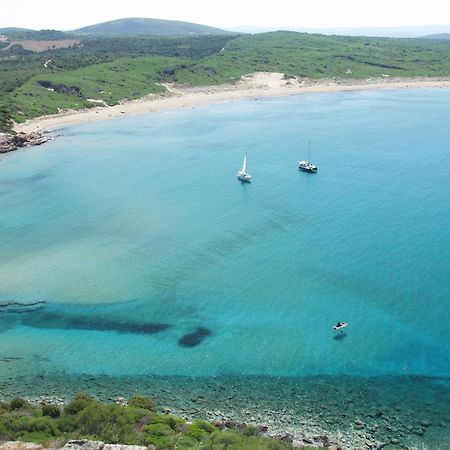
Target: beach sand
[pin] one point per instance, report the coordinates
(260, 84)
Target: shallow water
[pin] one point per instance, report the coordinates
(129, 249)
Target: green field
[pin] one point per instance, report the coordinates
(117, 68)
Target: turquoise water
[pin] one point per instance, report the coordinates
(128, 247)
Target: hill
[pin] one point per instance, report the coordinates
(440, 36)
(13, 30)
(22, 34)
(109, 69)
(319, 56)
(142, 26)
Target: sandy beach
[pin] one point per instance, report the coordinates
(260, 84)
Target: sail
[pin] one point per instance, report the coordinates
(244, 165)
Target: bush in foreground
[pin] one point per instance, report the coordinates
(142, 402)
(138, 423)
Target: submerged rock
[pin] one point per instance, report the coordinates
(195, 338)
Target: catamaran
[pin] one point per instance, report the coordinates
(242, 174)
(307, 166)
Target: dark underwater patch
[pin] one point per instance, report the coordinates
(54, 320)
(8, 359)
(195, 338)
(20, 307)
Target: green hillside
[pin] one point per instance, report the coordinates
(124, 78)
(445, 36)
(112, 69)
(319, 56)
(135, 26)
(18, 34)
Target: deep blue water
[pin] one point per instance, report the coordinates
(135, 233)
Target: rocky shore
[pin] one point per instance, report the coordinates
(80, 444)
(332, 412)
(11, 142)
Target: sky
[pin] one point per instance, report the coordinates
(63, 15)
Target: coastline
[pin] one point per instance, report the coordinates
(260, 84)
(352, 411)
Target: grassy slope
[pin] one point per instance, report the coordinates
(320, 56)
(295, 54)
(128, 78)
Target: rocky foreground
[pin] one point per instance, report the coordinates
(74, 445)
(11, 142)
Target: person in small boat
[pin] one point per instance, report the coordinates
(339, 325)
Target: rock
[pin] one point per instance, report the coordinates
(84, 445)
(11, 142)
(121, 401)
(285, 437)
(18, 445)
(123, 447)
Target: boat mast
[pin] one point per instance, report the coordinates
(244, 165)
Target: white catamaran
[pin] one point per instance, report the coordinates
(307, 166)
(242, 174)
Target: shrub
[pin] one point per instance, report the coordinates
(17, 403)
(250, 430)
(43, 424)
(110, 423)
(3, 407)
(176, 423)
(67, 423)
(199, 429)
(160, 435)
(142, 402)
(80, 402)
(51, 410)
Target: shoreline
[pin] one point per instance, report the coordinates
(353, 411)
(257, 85)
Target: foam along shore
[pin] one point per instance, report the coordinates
(259, 84)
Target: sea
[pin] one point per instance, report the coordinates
(132, 260)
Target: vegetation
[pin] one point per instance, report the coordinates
(42, 35)
(134, 26)
(137, 423)
(110, 69)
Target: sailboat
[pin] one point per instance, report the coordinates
(242, 174)
(307, 166)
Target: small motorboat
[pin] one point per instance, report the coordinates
(340, 326)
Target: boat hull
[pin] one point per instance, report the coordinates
(244, 177)
(306, 166)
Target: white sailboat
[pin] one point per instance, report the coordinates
(307, 166)
(242, 174)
